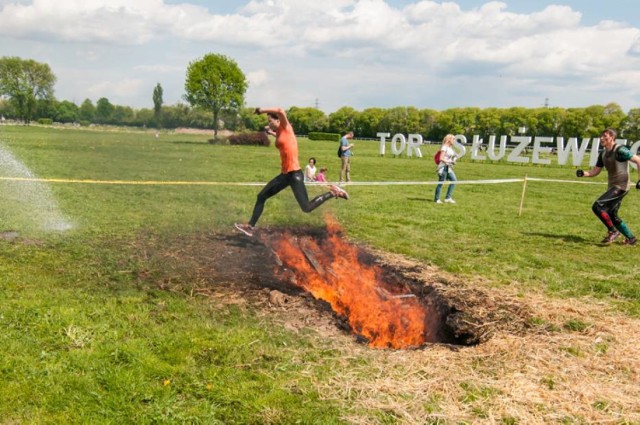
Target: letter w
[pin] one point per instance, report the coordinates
(577, 154)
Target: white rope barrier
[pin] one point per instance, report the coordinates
(356, 183)
(564, 181)
(493, 181)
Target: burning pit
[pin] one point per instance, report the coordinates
(382, 305)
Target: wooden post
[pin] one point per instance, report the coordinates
(524, 189)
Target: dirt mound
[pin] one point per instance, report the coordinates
(245, 270)
(205, 132)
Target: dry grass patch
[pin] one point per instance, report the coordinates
(541, 360)
(539, 377)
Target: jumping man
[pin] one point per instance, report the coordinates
(291, 173)
(615, 159)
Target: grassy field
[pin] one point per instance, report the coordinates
(86, 340)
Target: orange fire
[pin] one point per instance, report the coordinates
(329, 268)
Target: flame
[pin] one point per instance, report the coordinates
(329, 268)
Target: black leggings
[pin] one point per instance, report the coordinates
(295, 179)
(606, 207)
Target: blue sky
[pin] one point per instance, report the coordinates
(334, 53)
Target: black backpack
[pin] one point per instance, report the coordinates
(340, 151)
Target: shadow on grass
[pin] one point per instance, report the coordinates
(420, 199)
(242, 241)
(566, 238)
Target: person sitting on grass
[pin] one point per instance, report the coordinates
(290, 172)
(310, 171)
(322, 175)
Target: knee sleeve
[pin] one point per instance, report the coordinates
(603, 215)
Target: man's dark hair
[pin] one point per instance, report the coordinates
(611, 132)
(273, 116)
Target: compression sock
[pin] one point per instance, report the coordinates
(604, 217)
(624, 229)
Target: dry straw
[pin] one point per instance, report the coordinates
(542, 360)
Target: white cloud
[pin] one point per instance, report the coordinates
(92, 55)
(158, 69)
(634, 49)
(335, 46)
(258, 78)
(114, 90)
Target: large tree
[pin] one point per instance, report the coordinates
(343, 120)
(631, 125)
(66, 112)
(157, 104)
(104, 110)
(368, 122)
(306, 120)
(217, 84)
(24, 82)
(401, 120)
(87, 111)
(122, 115)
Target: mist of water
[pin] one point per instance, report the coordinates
(28, 204)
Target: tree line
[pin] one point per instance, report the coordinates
(215, 88)
(434, 125)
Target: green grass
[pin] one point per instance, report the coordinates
(85, 342)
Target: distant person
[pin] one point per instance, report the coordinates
(310, 171)
(346, 146)
(615, 158)
(290, 172)
(444, 170)
(322, 175)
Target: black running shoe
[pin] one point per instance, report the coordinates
(630, 241)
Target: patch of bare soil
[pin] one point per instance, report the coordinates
(12, 236)
(204, 132)
(528, 358)
(9, 235)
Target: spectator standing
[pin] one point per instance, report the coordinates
(445, 169)
(346, 146)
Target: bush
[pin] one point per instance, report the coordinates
(84, 123)
(316, 135)
(256, 138)
(45, 121)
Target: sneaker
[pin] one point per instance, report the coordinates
(450, 201)
(611, 236)
(338, 192)
(630, 241)
(247, 229)
(438, 201)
